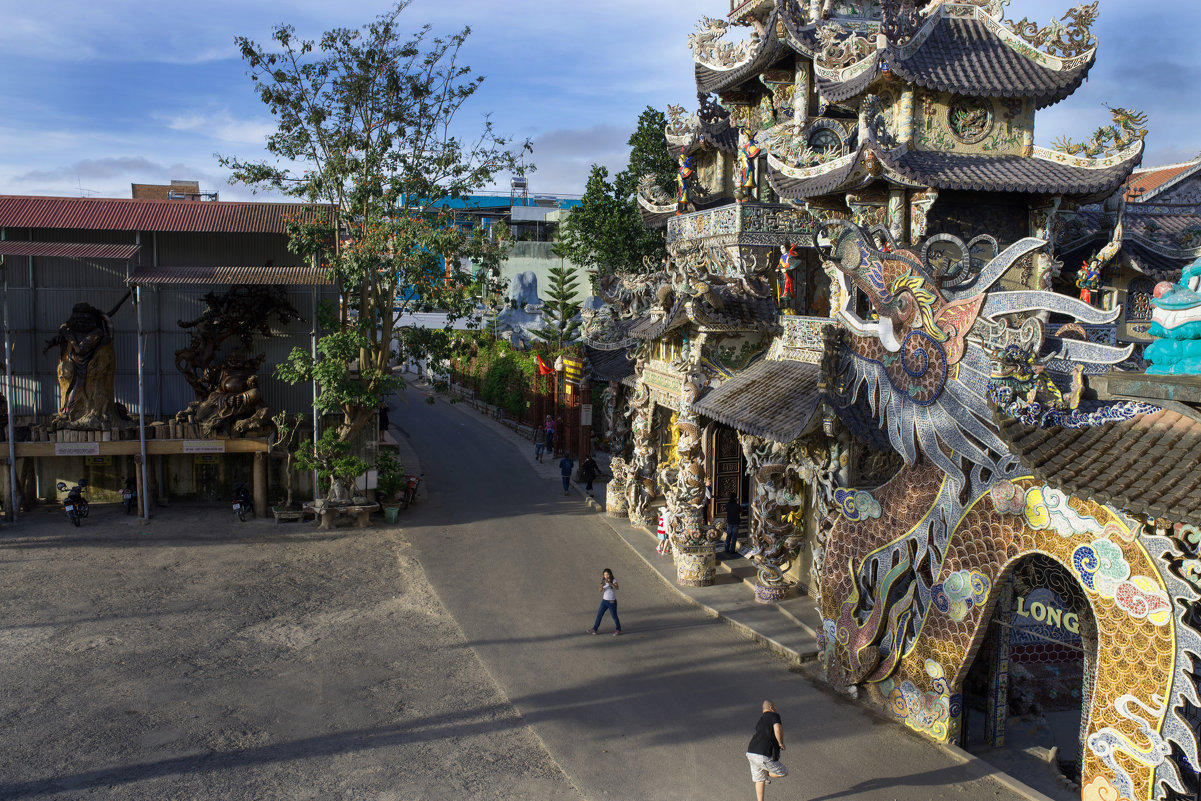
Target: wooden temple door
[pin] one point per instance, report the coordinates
(728, 471)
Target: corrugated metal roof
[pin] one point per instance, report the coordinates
(209, 276)
(67, 250)
(117, 214)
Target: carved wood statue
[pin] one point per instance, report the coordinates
(228, 401)
(86, 375)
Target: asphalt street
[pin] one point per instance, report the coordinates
(662, 712)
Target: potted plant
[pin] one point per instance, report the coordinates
(389, 481)
(287, 430)
(336, 468)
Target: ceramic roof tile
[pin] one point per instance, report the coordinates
(1026, 174)
(964, 57)
(1145, 465)
(772, 399)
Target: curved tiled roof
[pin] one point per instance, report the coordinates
(711, 80)
(836, 92)
(1028, 174)
(964, 57)
(1146, 465)
(789, 188)
(772, 399)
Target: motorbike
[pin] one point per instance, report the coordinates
(241, 501)
(129, 496)
(411, 489)
(75, 505)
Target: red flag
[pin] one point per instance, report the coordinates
(542, 368)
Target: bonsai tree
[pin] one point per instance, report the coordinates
(332, 461)
(390, 478)
(287, 431)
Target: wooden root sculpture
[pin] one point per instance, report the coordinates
(86, 371)
(228, 401)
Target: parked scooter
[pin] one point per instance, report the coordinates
(129, 496)
(75, 505)
(241, 501)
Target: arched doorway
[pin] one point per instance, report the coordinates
(1026, 696)
(727, 470)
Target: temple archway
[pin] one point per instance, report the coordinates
(1027, 693)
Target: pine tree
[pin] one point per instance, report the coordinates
(560, 312)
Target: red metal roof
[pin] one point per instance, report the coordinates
(218, 276)
(67, 250)
(1144, 182)
(118, 214)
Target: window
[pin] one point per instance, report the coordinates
(1139, 292)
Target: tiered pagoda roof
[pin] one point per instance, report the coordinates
(962, 49)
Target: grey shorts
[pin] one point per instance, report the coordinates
(761, 766)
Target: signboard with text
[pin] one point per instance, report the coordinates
(77, 449)
(573, 369)
(204, 446)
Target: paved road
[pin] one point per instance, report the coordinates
(662, 712)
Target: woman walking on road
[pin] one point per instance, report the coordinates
(764, 750)
(608, 589)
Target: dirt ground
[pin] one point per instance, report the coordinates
(198, 658)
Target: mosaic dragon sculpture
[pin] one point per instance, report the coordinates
(908, 574)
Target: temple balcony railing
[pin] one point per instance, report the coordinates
(751, 225)
(801, 338)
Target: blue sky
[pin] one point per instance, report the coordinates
(99, 95)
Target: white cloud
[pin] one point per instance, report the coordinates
(219, 125)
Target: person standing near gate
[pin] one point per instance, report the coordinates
(565, 467)
(764, 750)
(549, 435)
(733, 521)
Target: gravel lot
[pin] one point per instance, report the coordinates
(199, 658)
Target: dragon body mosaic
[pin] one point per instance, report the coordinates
(908, 576)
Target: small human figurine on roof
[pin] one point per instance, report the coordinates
(684, 174)
(787, 290)
(1088, 280)
(748, 151)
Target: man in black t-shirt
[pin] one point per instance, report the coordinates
(764, 750)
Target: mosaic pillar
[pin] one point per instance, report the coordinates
(617, 427)
(775, 535)
(904, 117)
(692, 538)
(616, 500)
(642, 466)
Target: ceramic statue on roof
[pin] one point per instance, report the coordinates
(1176, 322)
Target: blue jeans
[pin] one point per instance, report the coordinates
(731, 537)
(567, 482)
(600, 614)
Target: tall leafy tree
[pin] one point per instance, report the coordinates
(366, 126)
(605, 232)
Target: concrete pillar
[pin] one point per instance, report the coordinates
(143, 496)
(260, 484)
